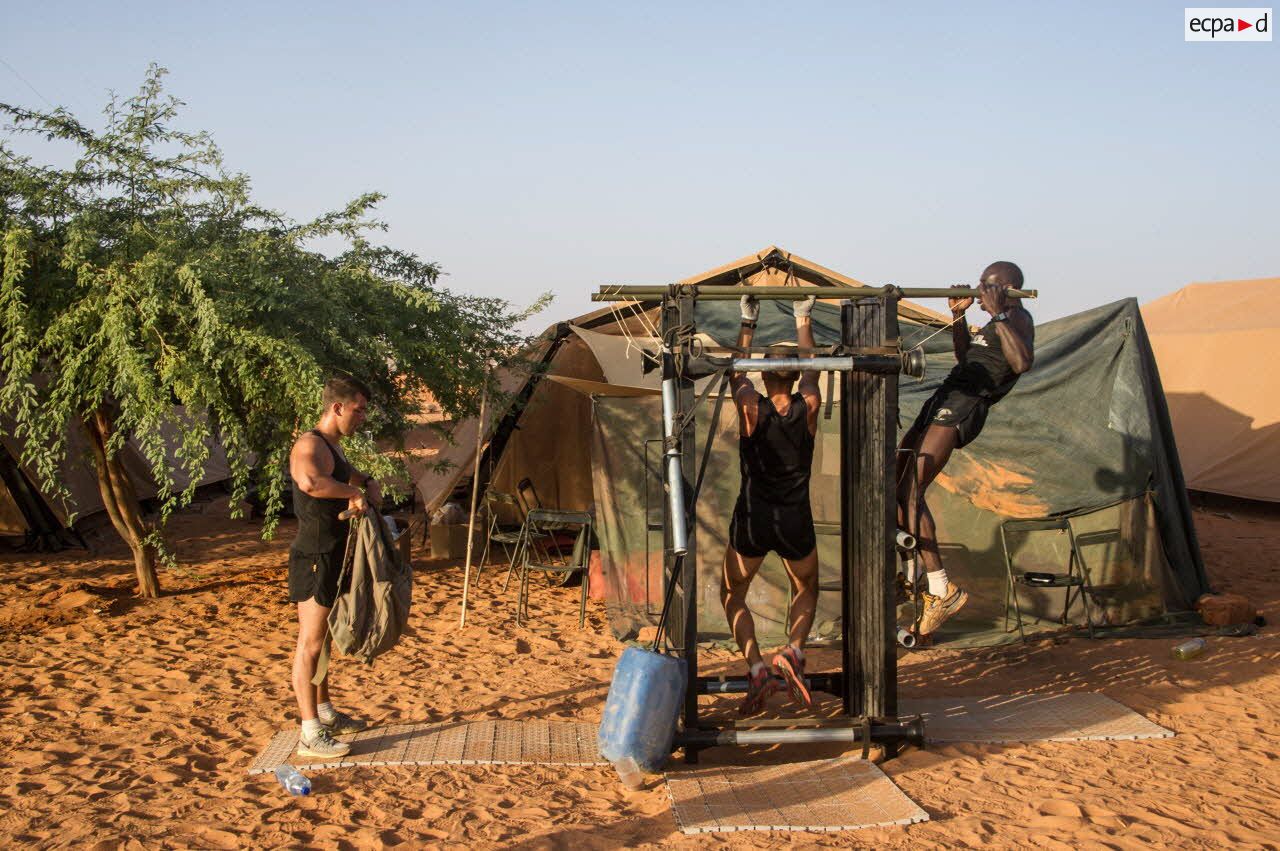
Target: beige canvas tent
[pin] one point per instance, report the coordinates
(1216, 346)
(21, 514)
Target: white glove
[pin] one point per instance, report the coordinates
(750, 308)
(805, 307)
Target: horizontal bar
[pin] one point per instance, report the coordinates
(903, 730)
(848, 363)
(718, 685)
(624, 292)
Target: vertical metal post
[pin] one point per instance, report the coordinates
(689, 575)
(869, 432)
(669, 319)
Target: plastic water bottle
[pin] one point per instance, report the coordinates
(629, 773)
(293, 780)
(1189, 649)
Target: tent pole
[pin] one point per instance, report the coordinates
(471, 521)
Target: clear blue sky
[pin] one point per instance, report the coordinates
(558, 146)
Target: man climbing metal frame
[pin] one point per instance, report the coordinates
(989, 364)
(775, 445)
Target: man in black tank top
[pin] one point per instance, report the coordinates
(988, 366)
(324, 485)
(775, 446)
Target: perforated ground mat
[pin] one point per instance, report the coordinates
(824, 795)
(458, 743)
(1030, 718)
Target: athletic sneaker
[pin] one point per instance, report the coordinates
(342, 723)
(938, 609)
(788, 665)
(323, 746)
(760, 687)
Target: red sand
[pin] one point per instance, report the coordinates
(131, 723)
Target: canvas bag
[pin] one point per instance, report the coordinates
(369, 617)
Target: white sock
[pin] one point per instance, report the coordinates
(757, 668)
(937, 582)
(310, 728)
(325, 711)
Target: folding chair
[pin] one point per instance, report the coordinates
(506, 536)
(542, 523)
(1075, 579)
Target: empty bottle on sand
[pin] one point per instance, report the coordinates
(293, 780)
(1189, 649)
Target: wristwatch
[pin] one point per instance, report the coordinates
(1002, 316)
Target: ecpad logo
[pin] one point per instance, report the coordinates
(1226, 24)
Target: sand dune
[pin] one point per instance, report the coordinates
(131, 724)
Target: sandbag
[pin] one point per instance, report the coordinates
(1225, 609)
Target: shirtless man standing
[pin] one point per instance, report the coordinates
(324, 485)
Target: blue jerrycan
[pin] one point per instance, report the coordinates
(640, 713)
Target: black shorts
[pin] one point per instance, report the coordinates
(787, 530)
(962, 409)
(316, 576)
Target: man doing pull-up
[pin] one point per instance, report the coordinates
(989, 364)
(775, 446)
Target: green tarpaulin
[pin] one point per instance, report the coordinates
(1084, 434)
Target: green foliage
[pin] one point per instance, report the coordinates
(143, 278)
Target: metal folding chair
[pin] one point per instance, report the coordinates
(1076, 579)
(509, 538)
(542, 523)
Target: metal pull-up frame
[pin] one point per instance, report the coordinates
(869, 359)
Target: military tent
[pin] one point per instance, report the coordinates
(1214, 344)
(27, 511)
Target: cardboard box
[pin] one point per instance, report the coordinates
(451, 541)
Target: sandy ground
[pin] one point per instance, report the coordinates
(130, 723)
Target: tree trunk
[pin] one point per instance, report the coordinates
(121, 501)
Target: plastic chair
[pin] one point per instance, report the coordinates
(545, 523)
(1075, 579)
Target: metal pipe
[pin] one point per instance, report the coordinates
(861, 363)
(909, 730)
(905, 540)
(625, 292)
(707, 685)
(675, 480)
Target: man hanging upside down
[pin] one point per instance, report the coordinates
(989, 364)
(775, 446)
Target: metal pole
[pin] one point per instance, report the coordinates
(687, 399)
(722, 293)
(732, 685)
(889, 733)
(471, 520)
(671, 455)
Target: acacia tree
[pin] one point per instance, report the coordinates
(141, 290)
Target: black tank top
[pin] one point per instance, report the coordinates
(985, 370)
(776, 457)
(319, 529)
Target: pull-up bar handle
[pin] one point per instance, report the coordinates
(623, 292)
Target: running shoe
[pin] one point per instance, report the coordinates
(790, 666)
(323, 746)
(938, 609)
(760, 687)
(342, 723)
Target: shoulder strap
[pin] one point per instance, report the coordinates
(336, 457)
